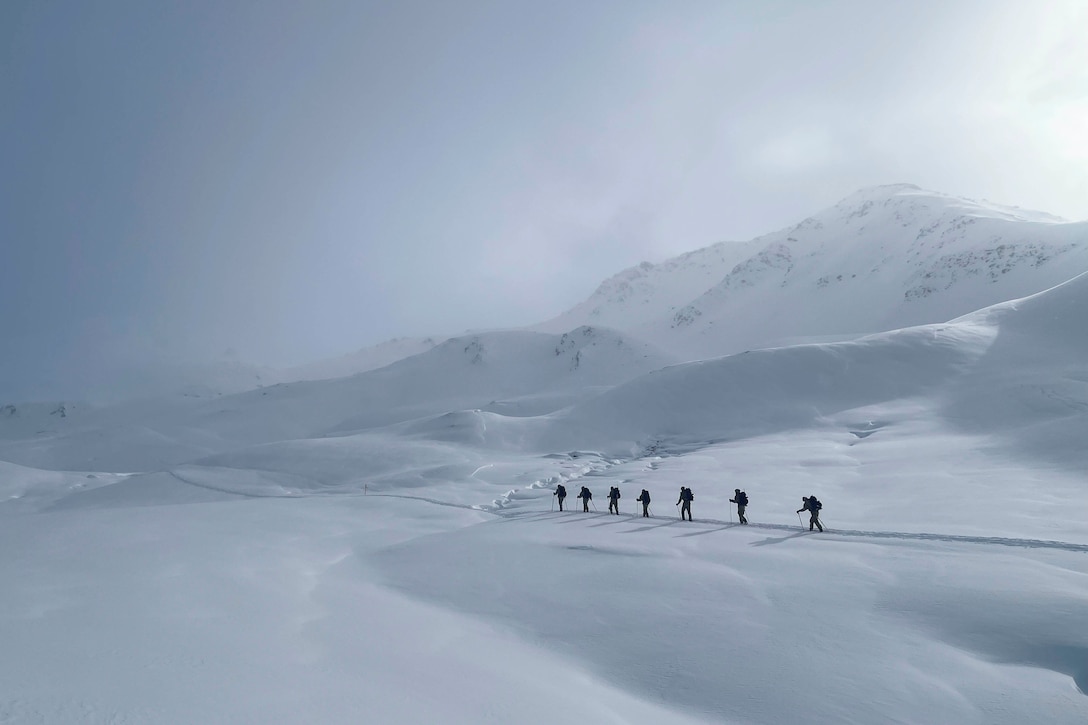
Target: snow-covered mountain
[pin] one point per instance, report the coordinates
(384, 547)
(1018, 369)
(631, 298)
(516, 372)
(948, 587)
(883, 258)
(360, 361)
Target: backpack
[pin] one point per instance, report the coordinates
(742, 498)
(560, 491)
(814, 504)
(614, 493)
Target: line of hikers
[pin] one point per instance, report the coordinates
(740, 498)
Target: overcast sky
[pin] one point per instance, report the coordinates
(294, 180)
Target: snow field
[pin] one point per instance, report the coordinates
(259, 611)
(304, 554)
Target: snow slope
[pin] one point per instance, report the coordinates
(627, 299)
(360, 361)
(384, 547)
(516, 372)
(884, 258)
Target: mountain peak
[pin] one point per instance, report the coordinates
(902, 197)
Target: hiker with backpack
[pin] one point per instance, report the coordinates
(614, 500)
(560, 493)
(813, 506)
(585, 495)
(740, 498)
(685, 497)
(644, 497)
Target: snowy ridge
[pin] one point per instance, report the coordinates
(626, 299)
(882, 259)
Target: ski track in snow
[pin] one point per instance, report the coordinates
(497, 508)
(709, 526)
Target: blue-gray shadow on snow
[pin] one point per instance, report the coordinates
(621, 519)
(704, 532)
(606, 551)
(956, 539)
(652, 526)
(768, 541)
(579, 516)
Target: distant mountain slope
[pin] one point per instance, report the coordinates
(493, 370)
(884, 258)
(1017, 371)
(360, 361)
(628, 299)
(1010, 382)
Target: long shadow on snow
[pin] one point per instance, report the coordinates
(622, 519)
(855, 533)
(651, 527)
(707, 531)
(768, 541)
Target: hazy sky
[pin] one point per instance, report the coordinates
(295, 180)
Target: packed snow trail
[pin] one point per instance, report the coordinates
(947, 538)
(721, 525)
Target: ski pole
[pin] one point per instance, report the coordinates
(800, 521)
(594, 505)
(650, 509)
(678, 511)
(730, 515)
(553, 502)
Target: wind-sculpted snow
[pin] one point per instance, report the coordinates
(1031, 386)
(1018, 368)
(772, 390)
(32, 489)
(735, 625)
